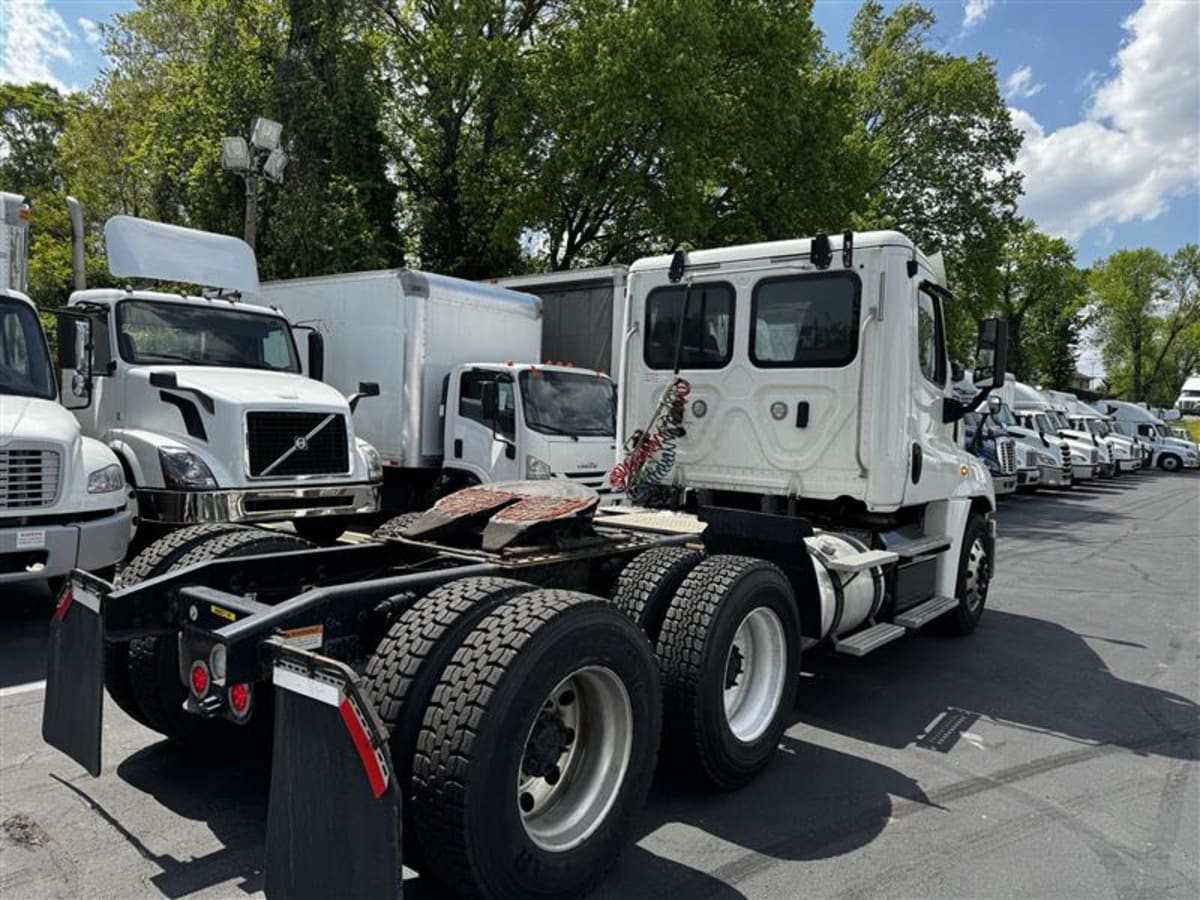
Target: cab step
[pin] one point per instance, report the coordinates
(859, 562)
(863, 642)
(930, 543)
(926, 612)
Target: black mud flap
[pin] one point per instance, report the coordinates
(333, 820)
(72, 715)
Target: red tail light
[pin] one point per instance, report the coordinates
(199, 677)
(239, 700)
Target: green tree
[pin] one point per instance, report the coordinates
(943, 147)
(1041, 297)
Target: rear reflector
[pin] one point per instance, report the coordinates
(199, 678)
(65, 599)
(239, 700)
(376, 774)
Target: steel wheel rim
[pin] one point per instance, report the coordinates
(588, 718)
(977, 576)
(755, 671)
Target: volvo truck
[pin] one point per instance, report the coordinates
(484, 690)
(202, 397)
(431, 343)
(64, 503)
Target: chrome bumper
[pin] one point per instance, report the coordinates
(1129, 465)
(257, 505)
(1029, 477)
(1083, 471)
(1004, 484)
(1055, 476)
(32, 552)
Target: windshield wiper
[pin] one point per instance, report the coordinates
(169, 357)
(552, 429)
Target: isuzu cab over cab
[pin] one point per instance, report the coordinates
(202, 397)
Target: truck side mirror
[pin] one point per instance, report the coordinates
(75, 349)
(489, 400)
(316, 356)
(991, 354)
(365, 389)
(993, 403)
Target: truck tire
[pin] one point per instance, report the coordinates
(154, 661)
(1169, 462)
(537, 749)
(975, 567)
(392, 527)
(645, 586)
(408, 662)
(729, 655)
(154, 560)
(323, 531)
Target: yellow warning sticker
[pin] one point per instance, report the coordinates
(221, 611)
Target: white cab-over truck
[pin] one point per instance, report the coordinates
(1167, 452)
(451, 411)
(202, 398)
(495, 678)
(63, 497)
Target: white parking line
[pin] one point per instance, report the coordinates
(22, 688)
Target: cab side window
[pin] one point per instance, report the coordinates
(470, 401)
(930, 355)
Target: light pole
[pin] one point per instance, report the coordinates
(259, 157)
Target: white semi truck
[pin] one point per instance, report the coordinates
(494, 679)
(1129, 453)
(1188, 401)
(1034, 413)
(1167, 452)
(63, 497)
(434, 344)
(202, 398)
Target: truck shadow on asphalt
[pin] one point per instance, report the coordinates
(813, 802)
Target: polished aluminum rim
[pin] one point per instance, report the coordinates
(755, 670)
(978, 575)
(575, 759)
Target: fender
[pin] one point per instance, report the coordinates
(949, 517)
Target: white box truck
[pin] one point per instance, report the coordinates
(202, 398)
(814, 494)
(63, 498)
(463, 397)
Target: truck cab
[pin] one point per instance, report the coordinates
(512, 421)
(1052, 456)
(1128, 453)
(1167, 452)
(203, 398)
(1007, 460)
(63, 497)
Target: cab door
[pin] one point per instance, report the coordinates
(934, 454)
(486, 448)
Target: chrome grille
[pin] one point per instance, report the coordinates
(1006, 453)
(28, 478)
(286, 444)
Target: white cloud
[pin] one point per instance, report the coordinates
(34, 37)
(91, 31)
(975, 11)
(1020, 84)
(1137, 145)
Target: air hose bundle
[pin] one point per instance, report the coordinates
(650, 454)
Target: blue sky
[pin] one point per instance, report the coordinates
(1106, 91)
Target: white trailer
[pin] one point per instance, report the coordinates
(202, 398)
(63, 497)
(463, 399)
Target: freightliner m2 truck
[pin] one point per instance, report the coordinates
(202, 397)
(63, 498)
(482, 691)
(431, 342)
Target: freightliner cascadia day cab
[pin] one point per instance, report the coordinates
(1168, 453)
(1010, 462)
(790, 430)
(202, 397)
(1034, 413)
(1129, 453)
(63, 497)
(431, 342)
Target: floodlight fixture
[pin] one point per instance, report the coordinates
(264, 133)
(235, 154)
(273, 168)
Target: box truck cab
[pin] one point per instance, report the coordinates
(203, 398)
(1168, 453)
(463, 398)
(63, 497)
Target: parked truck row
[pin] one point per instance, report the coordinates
(485, 690)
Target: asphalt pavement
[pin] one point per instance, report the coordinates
(1051, 754)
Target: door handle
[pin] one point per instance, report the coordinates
(918, 460)
(802, 414)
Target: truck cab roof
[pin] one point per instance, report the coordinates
(112, 296)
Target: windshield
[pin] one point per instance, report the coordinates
(150, 331)
(1004, 416)
(24, 360)
(1045, 424)
(1124, 428)
(571, 403)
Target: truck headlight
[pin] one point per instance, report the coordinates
(373, 460)
(1045, 459)
(536, 468)
(184, 470)
(106, 480)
